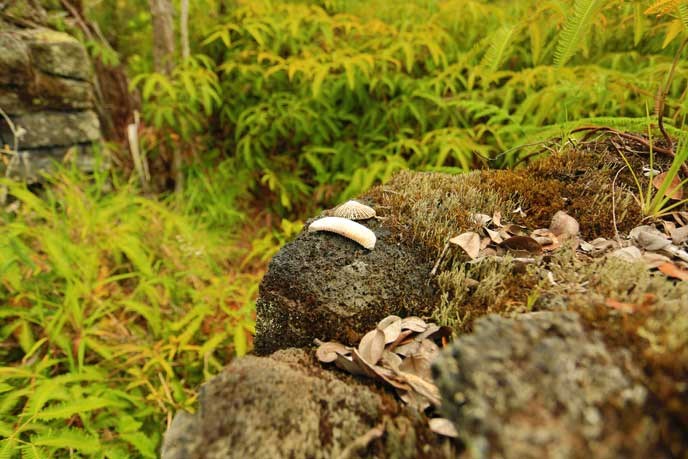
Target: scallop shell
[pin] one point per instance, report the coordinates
(347, 228)
(353, 210)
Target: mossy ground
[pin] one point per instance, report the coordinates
(591, 182)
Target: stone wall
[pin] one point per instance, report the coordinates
(46, 91)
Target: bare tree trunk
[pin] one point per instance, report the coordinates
(163, 35)
(163, 60)
(184, 27)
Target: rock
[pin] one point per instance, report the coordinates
(48, 129)
(324, 286)
(57, 53)
(539, 386)
(15, 67)
(45, 90)
(288, 406)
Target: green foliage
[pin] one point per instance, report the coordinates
(327, 98)
(114, 309)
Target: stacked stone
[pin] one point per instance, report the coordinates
(46, 90)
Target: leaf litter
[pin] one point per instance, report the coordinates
(398, 353)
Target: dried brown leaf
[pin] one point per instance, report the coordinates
(414, 323)
(679, 235)
(469, 242)
(563, 225)
(494, 235)
(649, 238)
(497, 218)
(671, 270)
(417, 364)
(630, 253)
(347, 364)
(372, 346)
(479, 219)
(674, 191)
(521, 244)
(391, 327)
(327, 352)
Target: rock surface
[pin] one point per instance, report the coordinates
(287, 405)
(539, 386)
(46, 90)
(325, 286)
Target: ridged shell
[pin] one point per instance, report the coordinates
(347, 228)
(354, 210)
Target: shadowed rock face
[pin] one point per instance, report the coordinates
(287, 406)
(540, 386)
(325, 286)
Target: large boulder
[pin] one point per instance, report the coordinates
(324, 286)
(540, 386)
(288, 406)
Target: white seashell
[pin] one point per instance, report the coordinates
(347, 228)
(353, 210)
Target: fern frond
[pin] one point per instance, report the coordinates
(498, 48)
(682, 10)
(663, 7)
(67, 439)
(575, 29)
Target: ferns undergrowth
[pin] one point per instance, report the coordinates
(324, 98)
(114, 309)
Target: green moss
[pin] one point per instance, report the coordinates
(592, 183)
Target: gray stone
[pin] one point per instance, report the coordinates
(31, 165)
(288, 406)
(59, 54)
(56, 93)
(47, 129)
(325, 286)
(539, 386)
(15, 67)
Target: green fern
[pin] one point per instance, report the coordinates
(576, 27)
(498, 48)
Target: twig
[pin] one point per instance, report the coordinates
(616, 230)
(626, 135)
(437, 263)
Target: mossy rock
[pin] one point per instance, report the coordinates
(287, 406)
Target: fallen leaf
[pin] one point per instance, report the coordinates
(497, 218)
(654, 260)
(469, 242)
(674, 191)
(391, 327)
(630, 254)
(514, 230)
(417, 364)
(414, 323)
(480, 219)
(372, 346)
(347, 364)
(521, 244)
(390, 360)
(327, 352)
(444, 427)
(564, 225)
(679, 235)
(494, 235)
(649, 238)
(671, 270)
